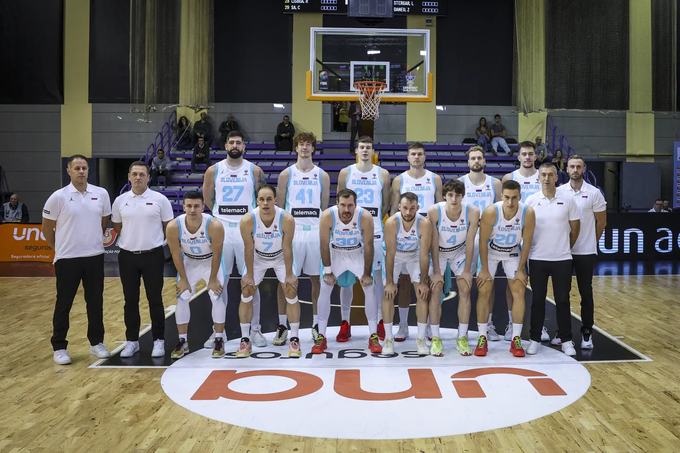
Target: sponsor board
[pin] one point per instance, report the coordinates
(427, 396)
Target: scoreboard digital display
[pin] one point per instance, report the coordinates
(399, 7)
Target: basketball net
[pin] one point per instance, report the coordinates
(370, 94)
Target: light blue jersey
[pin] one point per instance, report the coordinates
(527, 186)
(368, 187)
(506, 234)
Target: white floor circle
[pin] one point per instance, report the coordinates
(350, 393)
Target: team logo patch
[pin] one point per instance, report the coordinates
(245, 172)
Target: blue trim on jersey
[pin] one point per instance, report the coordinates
(206, 229)
(398, 223)
(217, 167)
(252, 177)
(498, 214)
(512, 177)
(493, 188)
(349, 174)
(417, 224)
(252, 213)
(281, 224)
(401, 186)
(361, 214)
(333, 216)
(467, 214)
(439, 221)
(524, 211)
(290, 176)
(179, 224)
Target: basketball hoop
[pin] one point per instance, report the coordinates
(370, 94)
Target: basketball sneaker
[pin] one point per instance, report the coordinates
(545, 335)
(587, 339)
(508, 332)
(402, 335)
(294, 347)
(320, 345)
(491, 333)
(381, 330)
(61, 357)
(130, 348)
(244, 348)
(218, 349)
(568, 348)
(100, 351)
(463, 347)
(533, 348)
(437, 348)
(181, 349)
(374, 344)
(210, 342)
(555, 341)
(482, 347)
(421, 347)
(345, 332)
(281, 336)
(315, 331)
(158, 348)
(516, 347)
(258, 339)
(389, 346)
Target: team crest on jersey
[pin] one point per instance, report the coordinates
(315, 175)
(516, 220)
(462, 221)
(373, 175)
(488, 186)
(275, 228)
(202, 233)
(427, 179)
(245, 172)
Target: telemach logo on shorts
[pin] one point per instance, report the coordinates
(233, 210)
(372, 211)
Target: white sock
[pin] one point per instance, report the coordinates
(315, 320)
(482, 328)
(283, 320)
(510, 315)
(183, 335)
(422, 327)
(346, 295)
(516, 330)
(462, 330)
(245, 330)
(403, 316)
(388, 330)
(435, 330)
(490, 316)
(294, 329)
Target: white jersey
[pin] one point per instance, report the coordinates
(196, 245)
(268, 240)
(347, 237)
(424, 187)
(481, 196)
(506, 234)
(368, 187)
(303, 196)
(452, 233)
(234, 191)
(408, 242)
(528, 186)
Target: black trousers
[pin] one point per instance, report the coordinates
(560, 272)
(200, 160)
(167, 173)
(70, 272)
(148, 266)
(354, 130)
(584, 265)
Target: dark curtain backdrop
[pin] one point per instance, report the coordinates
(253, 52)
(587, 54)
(109, 51)
(475, 53)
(663, 60)
(32, 52)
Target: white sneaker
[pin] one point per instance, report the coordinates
(389, 346)
(555, 341)
(533, 348)
(100, 351)
(130, 348)
(568, 348)
(257, 339)
(491, 334)
(158, 348)
(508, 332)
(428, 332)
(61, 357)
(402, 335)
(545, 336)
(587, 339)
(421, 347)
(210, 342)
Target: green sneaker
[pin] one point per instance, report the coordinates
(463, 347)
(437, 349)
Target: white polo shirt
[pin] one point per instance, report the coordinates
(551, 236)
(79, 220)
(142, 217)
(589, 200)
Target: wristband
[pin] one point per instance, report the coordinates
(327, 271)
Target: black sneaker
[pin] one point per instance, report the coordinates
(586, 339)
(315, 332)
(281, 336)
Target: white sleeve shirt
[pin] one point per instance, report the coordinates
(589, 200)
(79, 220)
(551, 235)
(142, 217)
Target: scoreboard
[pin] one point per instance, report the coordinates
(399, 7)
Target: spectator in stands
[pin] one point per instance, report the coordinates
(285, 132)
(658, 206)
(482, 132)
(201, 154)
(498, 134)
(226, 127)
(14, 211)
(161, 165)
(355, 124)
(183, 129)
(203, 129)
(559, 161)
(541, 151)
(667, 206)
(344, 116)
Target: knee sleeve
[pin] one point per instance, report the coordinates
(246, 300)
(219, 311)
(292, 301)
(183, 312)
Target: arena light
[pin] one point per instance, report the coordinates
(373, 52)
(423, 52)
(278, 106)
(441, 107)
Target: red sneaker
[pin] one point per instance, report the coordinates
(345, 332)
(319, 345)
(482, 347)
(381, 330)
(516, 347)
(374, 344)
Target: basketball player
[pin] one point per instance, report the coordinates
(407, 249)
(503, 226)
(195, 241)
(346, 235)
(454, 227)
(267, 233)
(481, 190)
(371, 184)
(527, 177)
(304, 191)
(428, 187)
(229, 187)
